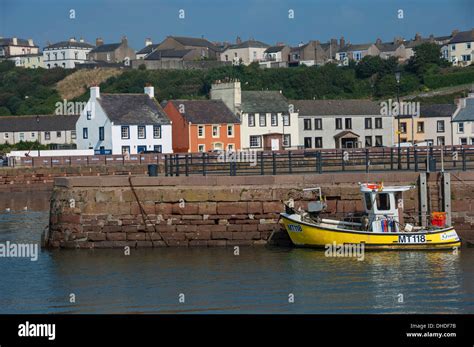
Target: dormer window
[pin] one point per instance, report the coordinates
(89, 115)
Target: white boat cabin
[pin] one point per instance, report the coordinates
(384, 206)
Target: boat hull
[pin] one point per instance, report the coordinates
(312, 235)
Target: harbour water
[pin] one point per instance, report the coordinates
(215, 280)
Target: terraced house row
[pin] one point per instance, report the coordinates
(232, 119)
(177, 52)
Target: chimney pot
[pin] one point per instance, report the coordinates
(95, 92)
(99, 41)
(150, 90)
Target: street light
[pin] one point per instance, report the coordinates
(39, 134)
(397, 77)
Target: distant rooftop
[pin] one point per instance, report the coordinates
(30, 123)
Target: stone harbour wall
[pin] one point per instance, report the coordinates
(205, 211)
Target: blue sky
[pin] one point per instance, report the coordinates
(359, 21)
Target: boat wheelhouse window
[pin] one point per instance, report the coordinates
(368, 201)
(383, 202)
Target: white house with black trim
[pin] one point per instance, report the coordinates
(66, 54)
(124, 123)
(343, 124)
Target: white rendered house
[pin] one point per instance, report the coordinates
(66, 54)
(124, 123)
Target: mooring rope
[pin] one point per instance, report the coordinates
(144, 214)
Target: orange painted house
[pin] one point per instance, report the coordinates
(202, 126)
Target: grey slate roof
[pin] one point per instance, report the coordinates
(357, 47)
(388, 46)
(463, 36)
(46, 123)
(8, 41)
(437, 110)
(206, 111)
(248, 44)
(148, 49)
(133, 109)
(466, 114)
(167, 53)
(264, 101)
(193, 41)
(336, 107)
(69, 44)
(110, 47)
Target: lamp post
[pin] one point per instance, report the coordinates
(397, 77)
(39, 134)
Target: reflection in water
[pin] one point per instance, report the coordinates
(19, 201)
(214, 280)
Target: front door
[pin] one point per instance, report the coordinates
(275, 144)
(141, 149)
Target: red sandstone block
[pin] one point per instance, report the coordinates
(272, 207)
(70, 218)
(166, 228)
(267, 227)
(96, 236)
(191, 218)
(186, 228)
(185, 208)
(219, 235)
(207, 208)
(199, 235)
(232, 208)
(129, 228)
(250, 227)
(163, 208)
(234, 227)
(136, 237)
(116, 236)
(254, 207)
(204, 222)
(247, 221)
(174, 236)
(215, 227)
(112, 228)
(159, 244)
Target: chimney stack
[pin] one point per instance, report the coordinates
(99, 41)
(148, 42)
(72, 39)
(81, 40)
(30, 42)
(150, 90)
(15, 41)
(342, 42)
(124, 39)
(238, 40)
(378, 41)
(95, 92)
(454, 32)
(417, 37)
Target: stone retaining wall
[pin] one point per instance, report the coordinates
(102, 212)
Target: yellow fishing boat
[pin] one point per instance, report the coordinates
(380, 227)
